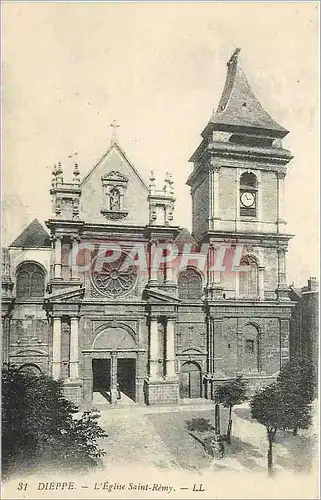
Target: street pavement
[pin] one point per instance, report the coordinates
(158, 437)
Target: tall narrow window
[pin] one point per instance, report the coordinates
(248, 195)
(30, 281)
(249, 279)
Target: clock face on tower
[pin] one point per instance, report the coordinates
(247, 199)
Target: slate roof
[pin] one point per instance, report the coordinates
(34, 236)
(239, 107)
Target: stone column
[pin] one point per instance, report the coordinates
(212, 391)
(121, 198)
(170, 348)
(217, 278)
(113, 378)
(169, 272)
(259, 203)
(5, 337)
(217, 324)
(237, 198)
(210, 346)
(281, 197)
(153, 265)
(281, 267)
(214, 276)
(237, 284)
(58, 264)
(56, 347)
(216, 192)
(73, 260)
(74, 348)
(282, 289)
(211, 197)
(261, 282)
(107, 195)
(153, 343)
(210, 267)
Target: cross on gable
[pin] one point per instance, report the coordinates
(115, 126)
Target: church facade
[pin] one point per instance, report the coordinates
(112, 297)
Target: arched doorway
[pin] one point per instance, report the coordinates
(190, 380)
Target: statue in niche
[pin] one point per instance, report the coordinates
(114, 200)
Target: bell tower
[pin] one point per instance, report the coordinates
(237, 189)
(237, 184)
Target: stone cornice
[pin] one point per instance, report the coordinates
(245, 237)
(274, 155)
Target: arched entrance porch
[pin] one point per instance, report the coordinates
(114, 363)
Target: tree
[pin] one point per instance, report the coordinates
(297, 384)
(39, 425)
(266, 408)
(229, 394)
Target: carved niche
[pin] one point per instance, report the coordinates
(114, 188)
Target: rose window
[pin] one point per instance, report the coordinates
(116, 278)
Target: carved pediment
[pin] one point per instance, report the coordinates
(114, 176)
(191, 351)
(160, 297)
(65, 296)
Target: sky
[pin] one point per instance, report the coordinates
(70, 69)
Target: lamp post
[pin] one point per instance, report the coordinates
(217, 419)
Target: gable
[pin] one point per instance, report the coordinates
(114, 171)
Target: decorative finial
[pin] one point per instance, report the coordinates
(76, 173)
(234, 56)
(152, 176)
(114, 137)
(59, 174)
(54, 175)
(167, 187)
(152, 181)
(171, 183)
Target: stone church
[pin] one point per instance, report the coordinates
(158, 333)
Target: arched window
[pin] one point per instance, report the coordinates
(248, 180)
(190, 284)
(30, 281)
(114, 200)
(248, 195)
(249, 278)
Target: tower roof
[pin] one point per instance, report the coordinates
(34, 236)
(239, 108)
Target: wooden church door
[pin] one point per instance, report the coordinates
(190, 380)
